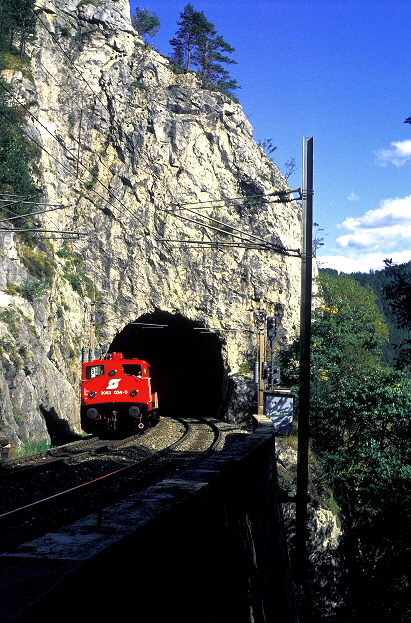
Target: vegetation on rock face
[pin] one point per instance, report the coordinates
(32, 290)
(361, 434)
(17, 25)
(197, 43)
(15, 156)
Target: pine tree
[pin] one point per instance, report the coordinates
(194, 26)
(145, 22)
(197, 42)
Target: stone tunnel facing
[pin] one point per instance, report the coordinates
(187, 368)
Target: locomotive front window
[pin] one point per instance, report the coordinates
(93, 371)
(133, 369)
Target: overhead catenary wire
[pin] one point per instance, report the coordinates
(28, 136)
(210, 218)
(182, 204)
(10, 195)
(246, 245)
(169, 212)
(11, 218)
(60, 142)
(47, 231)
(74, 156)
(185, 218)
(263, 244)
(64, 235)
(33, 202)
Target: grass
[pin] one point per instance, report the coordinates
(32, 446)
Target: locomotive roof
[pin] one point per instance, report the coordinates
(111, 357)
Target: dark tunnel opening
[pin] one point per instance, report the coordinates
(186, 364)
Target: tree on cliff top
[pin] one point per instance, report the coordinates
(197, 42)
(145, 22)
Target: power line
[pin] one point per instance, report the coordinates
(264, 199)
(263, 244)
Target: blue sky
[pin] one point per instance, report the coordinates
(339, 71)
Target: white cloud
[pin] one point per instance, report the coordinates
(398, 155)
(361, 263)
(377, 229)
(353, 197)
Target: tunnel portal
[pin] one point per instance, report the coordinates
(186, 364)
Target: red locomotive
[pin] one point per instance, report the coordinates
(116, 396)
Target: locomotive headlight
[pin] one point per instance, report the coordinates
(134, 411)
(133, 393)
(112, 372)
(92, 394)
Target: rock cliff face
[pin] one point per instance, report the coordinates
(326, 565)
(144, 162)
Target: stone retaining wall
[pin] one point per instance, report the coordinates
(205, 546)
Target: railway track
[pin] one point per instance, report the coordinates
(12, 469)
(97, 478)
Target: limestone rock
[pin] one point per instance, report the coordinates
(144, 162)
(326, 567)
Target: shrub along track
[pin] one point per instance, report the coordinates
(87, 483)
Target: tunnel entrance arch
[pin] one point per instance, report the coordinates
(186, 364)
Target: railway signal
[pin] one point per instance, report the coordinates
(272, 328)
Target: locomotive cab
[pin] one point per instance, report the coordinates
(116, 396)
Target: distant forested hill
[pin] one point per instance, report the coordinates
(376, 280)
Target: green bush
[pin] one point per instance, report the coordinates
(8, 316)
(139, 85)
(66, 30)
(94, 175)
(38, 264)
(32, 290)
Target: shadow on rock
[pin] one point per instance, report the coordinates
(57, 428)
